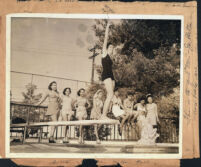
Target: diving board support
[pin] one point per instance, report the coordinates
(62, 123)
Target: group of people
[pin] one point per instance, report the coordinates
(61, 107)
(64, 107)
(144, 113)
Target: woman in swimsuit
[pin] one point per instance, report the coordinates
(96, 111)
(53, 106)
(129, 112)
(107, 74)
(117, 106)
(81, 111)
(66, 112)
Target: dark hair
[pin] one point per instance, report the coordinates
(149, 95)
(50, 85)
(141, 98)
(78, 93)
(64, 91)
(116, 89)
(129, 94)
(108, 44)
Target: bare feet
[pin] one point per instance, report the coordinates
(65, 140)
(51, 140)
(81, 141)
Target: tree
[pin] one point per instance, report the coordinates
(147, 57)
(29, 96)
(168, 105)
(146, 60)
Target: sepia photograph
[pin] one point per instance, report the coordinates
(94, 86)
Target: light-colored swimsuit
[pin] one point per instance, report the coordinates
(54, 103)
(81, 112)
(116, 110)
(67, 106)
(96, 111)
(128, 105)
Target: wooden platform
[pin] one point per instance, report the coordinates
(92, 147)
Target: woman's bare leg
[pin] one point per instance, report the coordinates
(123, 121)
(109, 86)
(65, 128)
(96, 133)
(52, 128)
(133, 118)
(130, 118)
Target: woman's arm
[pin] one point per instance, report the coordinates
(95, 104)
(43, 99)
(135, 107)
(88, 104)
(156, 112)
(72, 102)
(75, 104)
(105, 40)
(121, 105)
(110, 106)
(132, 106)
(61, 99)
(125, 104)
(146, 110)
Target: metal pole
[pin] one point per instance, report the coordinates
(93, 64)
(92, 71)
(48, 76)
(32, 79)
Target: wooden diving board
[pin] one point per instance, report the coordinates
(68, 123)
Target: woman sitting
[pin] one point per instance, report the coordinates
(81, 111)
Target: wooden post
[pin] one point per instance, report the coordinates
(25, 128)
(92, 73)
(24, 135)
(93, 50)
(40, 134)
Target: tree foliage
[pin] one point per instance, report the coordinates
(146, 60)
(29, 95)
(31, 98)
(147, 54)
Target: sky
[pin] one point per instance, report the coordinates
(53, 47)
(50, 46)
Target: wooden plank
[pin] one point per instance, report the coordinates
(69, 123)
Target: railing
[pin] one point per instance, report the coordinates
(30, 114)
(42, 82)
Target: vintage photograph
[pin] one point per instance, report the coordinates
(94, 85)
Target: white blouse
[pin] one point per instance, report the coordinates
(152, 113)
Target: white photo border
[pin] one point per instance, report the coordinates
(89, 155)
